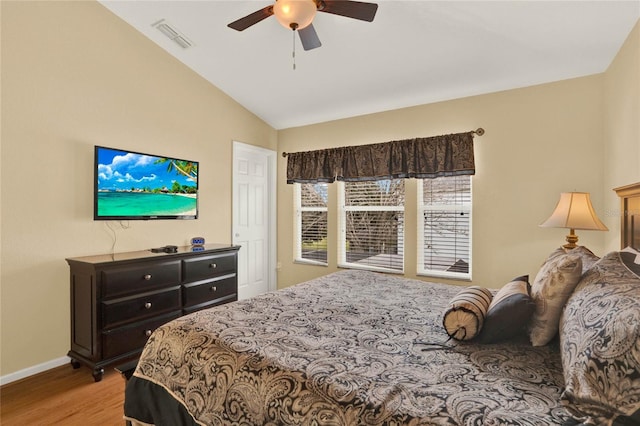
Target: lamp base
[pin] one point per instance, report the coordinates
(572, 239)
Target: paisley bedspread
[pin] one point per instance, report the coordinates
(350, 348)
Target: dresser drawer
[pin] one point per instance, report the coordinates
(206, 291)
(203, 267)
(140, 306)
(140, 277)
(129, 338)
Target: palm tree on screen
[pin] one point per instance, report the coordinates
(187, 168)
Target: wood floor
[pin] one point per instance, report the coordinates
(64, 396)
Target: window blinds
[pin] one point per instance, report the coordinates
(445, 227)
(311, 223)
(372, 225)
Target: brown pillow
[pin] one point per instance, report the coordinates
(509, 312)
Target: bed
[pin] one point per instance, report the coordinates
(364, 348)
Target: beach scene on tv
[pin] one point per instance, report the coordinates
(132, 185)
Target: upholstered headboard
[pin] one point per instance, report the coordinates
(630, 215)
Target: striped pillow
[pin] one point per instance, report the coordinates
(465, 314)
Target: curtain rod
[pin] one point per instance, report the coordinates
(479, 131)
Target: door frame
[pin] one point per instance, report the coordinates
(272, 161)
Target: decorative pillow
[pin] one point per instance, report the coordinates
(588, 258)
(631, 259)
(600, 343)
(509, 312)
(552, 287)
(464, 315)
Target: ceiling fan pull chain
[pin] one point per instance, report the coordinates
(293, 54)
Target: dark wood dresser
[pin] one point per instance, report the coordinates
(118, 300)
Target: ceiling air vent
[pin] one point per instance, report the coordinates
(176, 36)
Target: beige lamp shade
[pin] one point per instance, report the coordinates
(574, 211)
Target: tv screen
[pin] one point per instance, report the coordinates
(135, 186)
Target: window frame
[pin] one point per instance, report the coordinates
(297, 233)
(342, 230)
(422, 208)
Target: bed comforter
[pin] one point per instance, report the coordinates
(350, 348)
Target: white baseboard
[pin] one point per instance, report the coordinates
(30, 371)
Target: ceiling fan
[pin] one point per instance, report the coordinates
(298, 15)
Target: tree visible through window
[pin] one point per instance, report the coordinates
(372, 225)
(444, 227)
(311, 222)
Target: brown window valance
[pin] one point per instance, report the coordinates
(422, 158)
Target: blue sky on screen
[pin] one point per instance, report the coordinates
(125, 170)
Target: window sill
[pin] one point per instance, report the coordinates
(309, 262)
(466, 278)
(370, 268)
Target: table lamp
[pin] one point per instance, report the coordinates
(574, 211)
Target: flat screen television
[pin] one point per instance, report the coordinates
(135, 186)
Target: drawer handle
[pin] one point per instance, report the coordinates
(147, 305)
(147, 277)
(214, 288)
(213, 266)
(148, 333)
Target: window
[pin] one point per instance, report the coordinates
(444, 227)
(372, 225)
(311, 222)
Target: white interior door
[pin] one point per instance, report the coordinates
(254, 189)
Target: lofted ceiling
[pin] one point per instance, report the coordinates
(413, 53)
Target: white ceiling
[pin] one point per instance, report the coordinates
(414, 52)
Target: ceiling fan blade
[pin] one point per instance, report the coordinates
(309, 37)
(351, 9)
(251, 19)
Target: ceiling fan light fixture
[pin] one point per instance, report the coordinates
(295, 14)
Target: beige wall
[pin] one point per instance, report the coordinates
(621, 136)
(539, 141)
(74, 76)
